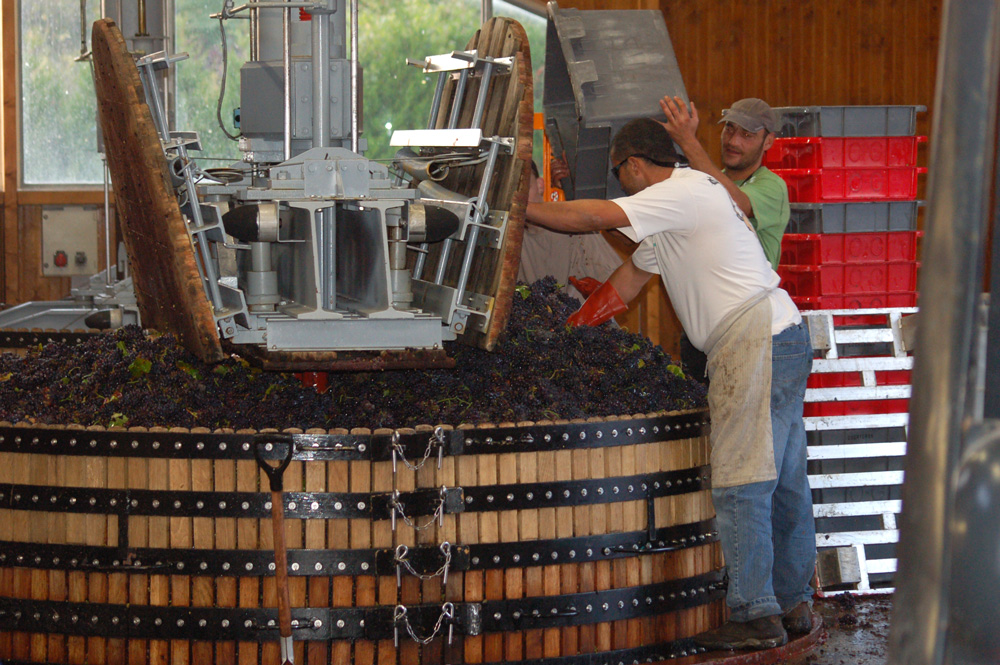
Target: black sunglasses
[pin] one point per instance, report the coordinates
(617, 167)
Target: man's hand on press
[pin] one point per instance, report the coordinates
(682, 122)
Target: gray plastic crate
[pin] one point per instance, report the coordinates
(859, 217)
(602, 69)
(848, 120)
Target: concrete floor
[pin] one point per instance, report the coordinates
(857, 631)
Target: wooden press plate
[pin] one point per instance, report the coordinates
(509, 112)
(168, 286)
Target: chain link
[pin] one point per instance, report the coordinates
(436, 438)
(396, 507)
(399, 616)
(401, 560)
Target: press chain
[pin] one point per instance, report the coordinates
(396, 507)
(402, 561)
(436, 439)
(399, 616)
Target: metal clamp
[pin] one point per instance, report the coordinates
(399, 616)
(396, 506)
(402, 561)
(436, 439)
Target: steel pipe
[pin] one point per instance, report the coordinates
(962, 145)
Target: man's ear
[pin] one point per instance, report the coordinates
(769, 140)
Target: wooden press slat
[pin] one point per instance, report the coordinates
(294, 481)
(513, 581)
(76, 646)
(339, 536)
(582, 527)
(37, 534)
(117, 649)
(489, 532)
(137, 470)
(58, 582)
(361, 478)
(317, 592)
(568, 573)
(181, 537)
(225, 530)
(468, 532)
(248, 538)
(159, 536)
(529, 526)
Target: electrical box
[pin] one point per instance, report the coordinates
(70, 240)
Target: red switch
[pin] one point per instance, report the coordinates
(60, 259)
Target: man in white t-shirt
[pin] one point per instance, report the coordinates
(726, 295)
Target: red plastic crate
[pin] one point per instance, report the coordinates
(861, 301)
(814, 152)
(834, 279)
(851, 184)
(816, 248)
(900, 377)
(861, 407)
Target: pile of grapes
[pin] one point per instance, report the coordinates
(541, 369)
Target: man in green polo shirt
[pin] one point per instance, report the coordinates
(749, 129)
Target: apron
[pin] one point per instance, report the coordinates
(739, 396)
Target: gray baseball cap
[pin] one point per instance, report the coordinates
(753, 115)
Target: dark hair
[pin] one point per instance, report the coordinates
(534, 169)
(646, 138)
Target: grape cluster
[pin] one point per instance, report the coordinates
(541, 369)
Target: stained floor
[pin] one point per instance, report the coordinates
(857, 631)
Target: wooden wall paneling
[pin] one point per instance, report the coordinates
(8, 71)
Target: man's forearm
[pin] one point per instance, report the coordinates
(577, 216)
(629, 279)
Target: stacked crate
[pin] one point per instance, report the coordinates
(849, 260)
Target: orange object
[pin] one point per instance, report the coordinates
(552, 193)
(601, 306)
(585, 285)
(318, 380)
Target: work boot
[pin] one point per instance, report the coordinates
(798, 620)
(762, 633)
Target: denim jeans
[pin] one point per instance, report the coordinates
(767, 529)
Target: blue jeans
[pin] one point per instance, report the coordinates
(767, 529)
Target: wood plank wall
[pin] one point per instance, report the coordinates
(806, 52)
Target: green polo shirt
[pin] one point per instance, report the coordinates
(768, 195)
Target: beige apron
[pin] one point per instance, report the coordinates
(739, 396)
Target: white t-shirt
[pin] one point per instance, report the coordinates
(694, 236)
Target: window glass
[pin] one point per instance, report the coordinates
(59, 129)
(398, 96)
(199, 78)
(58, 108)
